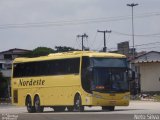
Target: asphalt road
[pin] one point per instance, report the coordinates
(137, 110)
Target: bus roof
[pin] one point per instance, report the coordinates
(71, 54)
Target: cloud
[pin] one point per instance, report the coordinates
(37, 11)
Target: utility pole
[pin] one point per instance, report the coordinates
(83, 36)
(132, 5)
(104, 33)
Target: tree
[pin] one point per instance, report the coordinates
(64, 49)
(43, 51)
(39, 51)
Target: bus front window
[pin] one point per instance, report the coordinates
(110, 80)
(109, 74)
(104, 74)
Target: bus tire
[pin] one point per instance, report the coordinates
(78, 104)
(109, 108)
(38, 107)
(30, 108)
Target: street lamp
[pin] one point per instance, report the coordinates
(132, 5)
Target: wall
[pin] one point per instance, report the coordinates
(6, 73)
(1, 56)
(150, 76)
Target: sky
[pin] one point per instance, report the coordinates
(28, 24)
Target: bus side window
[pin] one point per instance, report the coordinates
(72, 66)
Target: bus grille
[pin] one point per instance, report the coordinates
(15, 96)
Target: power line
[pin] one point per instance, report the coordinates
(149, 47)
(94, 40)
(75, 22)
(148, 44)
(138, 46)
(87, 43)
(77, 44)
(138, 35)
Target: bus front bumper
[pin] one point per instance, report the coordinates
(108, 99)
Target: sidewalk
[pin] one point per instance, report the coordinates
(5, 101)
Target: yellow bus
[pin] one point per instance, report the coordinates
(71, 80)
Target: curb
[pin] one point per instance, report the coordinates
(3, 103)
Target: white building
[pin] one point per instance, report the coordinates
(148, 65)
(6, 59)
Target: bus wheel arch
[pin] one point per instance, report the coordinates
(37, 104)
(78, 103)
(29, 105)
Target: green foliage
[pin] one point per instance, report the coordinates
(43, 51)
(64, 49)
(39, 51)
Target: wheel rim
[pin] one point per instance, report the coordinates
(37, 103)
(78, 103)
(29, 104)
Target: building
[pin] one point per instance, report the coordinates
(123, 48)
(148, 65)
(6, 59)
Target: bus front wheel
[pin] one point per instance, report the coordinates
(78, 104)
(29, 106)
(110, 108)
(38, 107)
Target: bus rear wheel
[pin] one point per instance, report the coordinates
(29, 106)
(38, 107)
(78, 104)
(110, 108)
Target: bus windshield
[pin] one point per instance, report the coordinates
(110, 79)
(106, 75)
